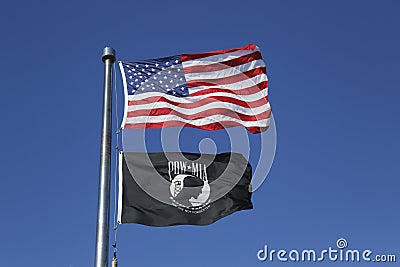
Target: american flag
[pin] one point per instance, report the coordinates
(210, 91)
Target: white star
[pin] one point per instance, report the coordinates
(134, 74)
(130, 77)
(152, 69)
(175, 75)
(131, 83)
(182, 88)
(136, 80)
(140, 77)
(147, 66)
(155, 78)
(166, 85)
(165, 77)
(137, 66)
(143, 70)
(178, 70)
(167, 63)
(148, 73)
(171, 81)
(160, 81)
(181, 79)
(169, 72)
(177, 85)
(172, 66)
(153, 88)
(168, 90)
(173, 92)
(176, 61)
(129, 71)
(137, 85)
(157, 64)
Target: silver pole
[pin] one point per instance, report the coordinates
(103, 212)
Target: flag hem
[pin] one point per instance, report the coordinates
(119, 214)
(125, 95)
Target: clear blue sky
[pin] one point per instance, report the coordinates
(334, 88)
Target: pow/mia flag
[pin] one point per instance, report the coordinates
(172, 188)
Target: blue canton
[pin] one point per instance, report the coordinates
(163, 75)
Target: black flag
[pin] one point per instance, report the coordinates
(171, 188)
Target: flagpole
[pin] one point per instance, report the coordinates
(103, 212)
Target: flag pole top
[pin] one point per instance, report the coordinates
(108, 53)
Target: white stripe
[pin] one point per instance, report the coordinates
(225, 73)
(190, 99)
(125, 93)
(190, 111)
(234, 86)
(198, 122)
(218, 58)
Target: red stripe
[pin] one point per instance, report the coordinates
(201, 102)
(200, 115)
(224, 64)
(245, 91)
(210, 127)
(187, 57)
(227, 80)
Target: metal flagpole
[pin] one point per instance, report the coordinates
(103, 212)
